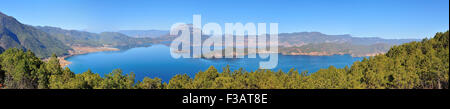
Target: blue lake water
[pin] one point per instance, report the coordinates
(156, 61)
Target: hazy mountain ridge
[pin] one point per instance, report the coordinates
(144, 33)
(316, 43)
(87, 39)
(317, 37)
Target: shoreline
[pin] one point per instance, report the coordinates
(78, 50)
(331, 54)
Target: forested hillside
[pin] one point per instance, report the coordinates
(415, 65)
(14, 34)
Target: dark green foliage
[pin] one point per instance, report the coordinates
(116, 80)
(415, 65)
(148, 83)
(90, 80)
(428, 60)
(2, 76)
(205, 79)
(180, 82)
(21, 70)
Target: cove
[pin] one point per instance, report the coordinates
(156, 61)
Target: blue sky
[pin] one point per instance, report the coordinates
(392, 19)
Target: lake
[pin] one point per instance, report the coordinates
(156, 61)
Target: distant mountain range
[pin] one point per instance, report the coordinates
(144, 33)
(82, 38)
(45, 40)
(301, 38)
(315, 43)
